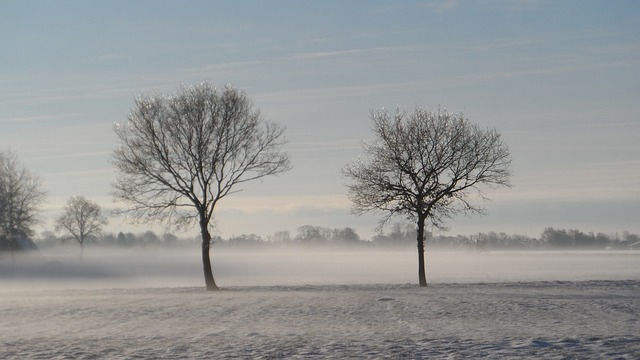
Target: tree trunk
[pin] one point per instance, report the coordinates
(13, 254)
(206, 260)
(422, 277)
(81, 242)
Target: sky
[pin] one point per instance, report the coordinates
(560, 80)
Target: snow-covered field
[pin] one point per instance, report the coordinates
(323, 304)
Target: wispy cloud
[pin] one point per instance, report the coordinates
(38, 118)
(614, 124)
(111, 56)
(337, 92)
(56, 203)
(522, 4)
(208, 68)
(349, 52)
(346, 144)
(544, 71)
(440, 5)
(602, 181)
(283, 205)
(79, 172)
(75, 155)
(566, 194)
(325, 54)
(616, 49)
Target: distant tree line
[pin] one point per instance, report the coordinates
(306, 235)
(550, 238)
(399, 234)
(107, 239)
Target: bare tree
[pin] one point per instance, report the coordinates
(21, 195)
(81, 219)
(179, 155)
(426, 165)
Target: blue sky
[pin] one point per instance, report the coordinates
(559, 79)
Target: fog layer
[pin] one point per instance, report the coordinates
(109, 268)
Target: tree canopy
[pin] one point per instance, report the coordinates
(81, 218)
(179, 155)
(21, 195)
(426, 165)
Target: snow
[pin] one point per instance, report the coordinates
(353, 304)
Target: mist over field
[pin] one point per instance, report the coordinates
(294, 265)
(320, 303)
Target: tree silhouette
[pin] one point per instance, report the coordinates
(426, 165)
(179, 155)
(81, 219)
(21, 195)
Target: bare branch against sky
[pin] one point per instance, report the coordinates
(178, 156)
(560, 79)
(426, 166)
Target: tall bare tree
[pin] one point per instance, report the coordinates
(81, 219)
(426, 165)
(21, 195)
(179, 155)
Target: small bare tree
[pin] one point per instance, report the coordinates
(426, 165)
(178, 156)
(81, 219)
(21, 195)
